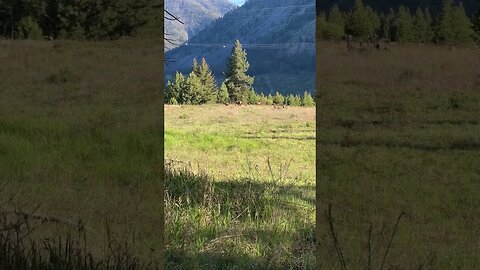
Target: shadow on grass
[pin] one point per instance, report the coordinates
(237, 224)
(19, 250)
(300, 138)
(458, 145)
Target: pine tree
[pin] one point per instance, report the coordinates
(307, 100)
(288, 100)
(294, 100)
(430, 35)
(262, 99)
(462, 26)
(420, 26)
(403, 27)
(330, 31)
(269, 100)
(335, 16)
(195, 67)
(191, 93)
(387, 25)
(209, 86)
(476, 22)
(298, 100)
(74, 19)
(174, 89)
(322, 16)
(363, 21)
(444, 29)
(237, 81)
(28, 28)
(278, 99)
(222, 94)
(253, 97)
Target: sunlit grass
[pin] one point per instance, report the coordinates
(250, 203)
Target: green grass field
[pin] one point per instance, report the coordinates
(400, 132)
(80, 141)
(247, 200)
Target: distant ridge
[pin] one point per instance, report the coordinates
(195, 14)
(279, 36)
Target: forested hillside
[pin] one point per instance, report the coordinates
(195, 15)
(76, 19)
(452, 25)
(435, 6)
(278, 36)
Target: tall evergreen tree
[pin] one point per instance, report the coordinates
(28, 28)
(335, 16)
(307, 100)
(253, 98)
(294, 100)
(195, 67)
(278, 99)
(222, 94)
(237, 81)
(191, 93)
(330, 31)
(403, 28)
(269, 100)
(262, 99)
(363, 21)
(209, 86)
(444, 31)
(476, 23)
(420, 27)
(430, 35)
(174, 89)
(387, 25)
(462, 26)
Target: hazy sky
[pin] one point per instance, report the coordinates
(238, 2)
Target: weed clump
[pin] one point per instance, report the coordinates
(61, 77)
(21, 250)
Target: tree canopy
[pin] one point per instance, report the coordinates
(450, 26)
(200, 87)
(74, 19)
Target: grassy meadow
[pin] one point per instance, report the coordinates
(399, 132)
(240, 194)
(79, 159)
(74, 157)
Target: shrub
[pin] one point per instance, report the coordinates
(253, 97)
(28, 28)
(269, 100)
(278, 99)
(307, 100)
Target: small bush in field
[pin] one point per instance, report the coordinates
(28, 28)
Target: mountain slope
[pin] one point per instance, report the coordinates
(195, 14)
(278, 35)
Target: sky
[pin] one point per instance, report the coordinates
(238, 2)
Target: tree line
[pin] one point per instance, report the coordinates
(450, 26)
(74, 19)
(200, 86)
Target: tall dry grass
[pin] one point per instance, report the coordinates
(399, 132)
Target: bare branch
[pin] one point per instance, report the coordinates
(172, 17)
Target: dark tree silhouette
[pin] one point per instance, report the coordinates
(169, 16)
